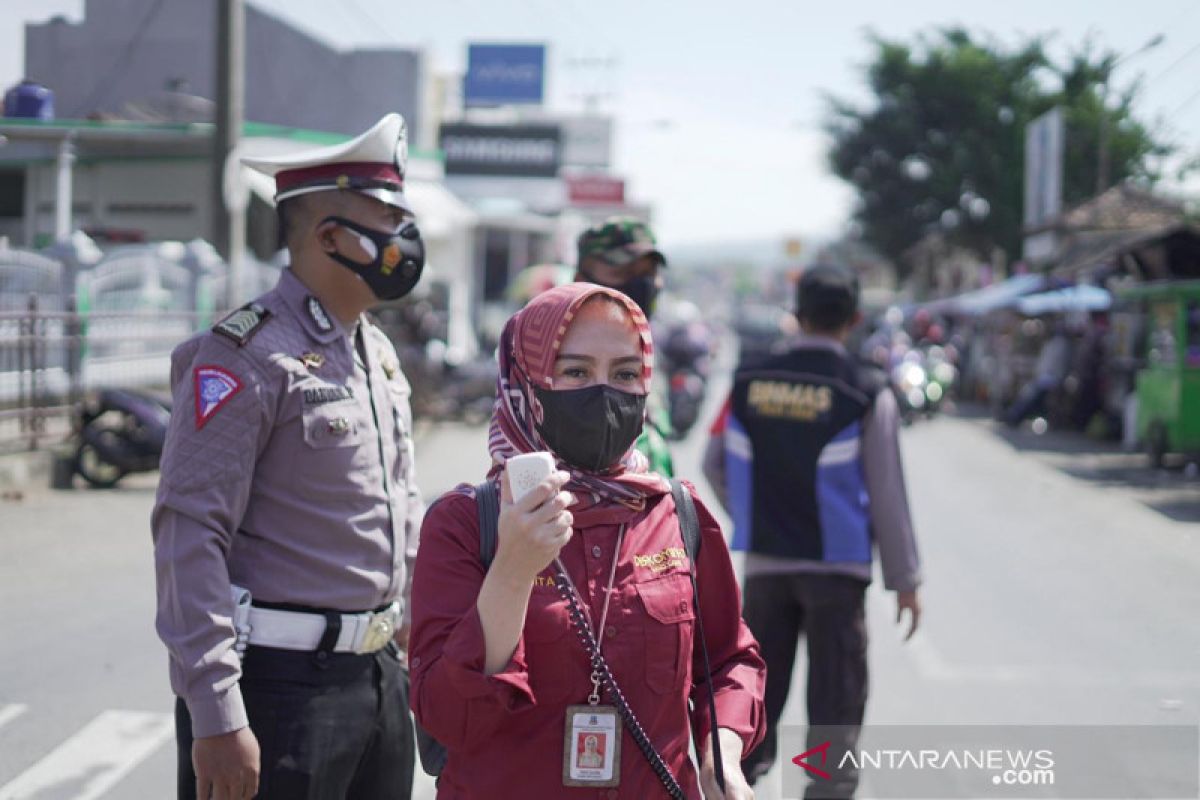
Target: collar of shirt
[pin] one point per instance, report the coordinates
(319, 323)
(809, 342)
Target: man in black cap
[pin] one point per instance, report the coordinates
(621, 253)
(805, 457)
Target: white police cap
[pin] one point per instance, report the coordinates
(372, 163)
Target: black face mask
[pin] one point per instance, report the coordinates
(591, 428)
(398, 262)
(642, 290)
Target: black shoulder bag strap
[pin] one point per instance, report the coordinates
(689, 526)
(487, 503)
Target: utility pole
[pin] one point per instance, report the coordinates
(64, 167)
(229, 221)
(1103, 159)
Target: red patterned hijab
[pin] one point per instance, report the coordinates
(529, 347)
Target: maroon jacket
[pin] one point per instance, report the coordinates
(504, 733)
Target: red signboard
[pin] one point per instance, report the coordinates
(595, 190)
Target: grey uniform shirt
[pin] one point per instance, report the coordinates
(288, 470)
(883, 473)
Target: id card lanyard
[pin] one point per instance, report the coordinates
(594, 697)
(592, 733)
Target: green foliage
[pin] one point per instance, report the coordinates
(941, 147)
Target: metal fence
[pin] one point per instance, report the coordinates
(49, 358)
(72, 320)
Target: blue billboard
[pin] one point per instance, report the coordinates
(505, 74)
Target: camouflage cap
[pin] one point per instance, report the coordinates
(618, 241)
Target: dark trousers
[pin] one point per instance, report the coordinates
(829, 611)
(331, 728)
(1030, 400)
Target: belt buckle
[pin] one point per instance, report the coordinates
(380, 628)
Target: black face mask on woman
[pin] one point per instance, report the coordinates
(397, 262)
(591, 428)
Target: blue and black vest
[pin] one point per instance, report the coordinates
(794, 469)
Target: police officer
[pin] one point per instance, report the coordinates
(286, 520)
(621, 253)
(805, 456)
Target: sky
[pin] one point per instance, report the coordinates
(719, 104)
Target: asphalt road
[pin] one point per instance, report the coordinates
(1061, 588)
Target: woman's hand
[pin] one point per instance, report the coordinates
(736, 787)
(530, 535)
(534, 530)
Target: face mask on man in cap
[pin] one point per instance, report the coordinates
(396, 259)
(621, 254)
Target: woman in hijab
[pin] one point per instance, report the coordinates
(501, 673)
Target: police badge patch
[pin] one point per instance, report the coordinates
(214, 387)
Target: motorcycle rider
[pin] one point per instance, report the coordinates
(621, 253)
(686, 348)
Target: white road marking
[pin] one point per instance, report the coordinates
(92, 761)
(11, 712)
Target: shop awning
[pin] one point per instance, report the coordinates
(996, 296)
(1061, 301)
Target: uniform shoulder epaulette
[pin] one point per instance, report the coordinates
(241, 325)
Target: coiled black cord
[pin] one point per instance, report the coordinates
(599, 665)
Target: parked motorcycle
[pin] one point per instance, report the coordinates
(469, 390)
(120, 431)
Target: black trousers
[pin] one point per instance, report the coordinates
(331, 726)
(829, 610)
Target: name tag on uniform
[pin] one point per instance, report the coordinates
(327, 394)
(592, 746)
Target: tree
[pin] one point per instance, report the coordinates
(941, 148)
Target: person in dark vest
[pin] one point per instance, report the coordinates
(805, 457)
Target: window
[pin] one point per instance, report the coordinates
(1162, 335)
(12, 193)
(495, 264)
(1192, 321)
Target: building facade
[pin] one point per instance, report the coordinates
(141, 53)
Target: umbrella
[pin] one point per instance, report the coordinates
(998, 295)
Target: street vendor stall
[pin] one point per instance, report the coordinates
(1168, 387)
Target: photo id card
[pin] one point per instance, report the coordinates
(592, 746)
